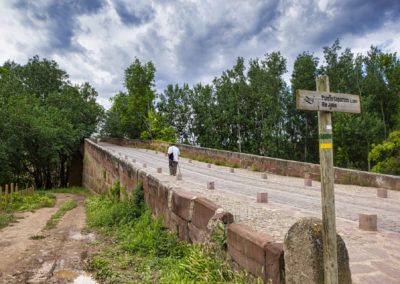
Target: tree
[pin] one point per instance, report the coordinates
(174, 105)
(386, 156)
(44, 120)
(304, 130)
(139, 82)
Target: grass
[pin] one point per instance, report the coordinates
(21, 203)
(72, 190)
(37, 237)
(55, 218)
(6, 219)
(136, 248)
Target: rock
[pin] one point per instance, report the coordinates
(304, 261)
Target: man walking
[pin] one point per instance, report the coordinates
(173, 157)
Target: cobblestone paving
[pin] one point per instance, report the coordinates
(374, 256)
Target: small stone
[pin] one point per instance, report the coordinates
(368, 222)
(144, 165)
(208, 165)
(262, 197)
(382, 193)
(264, 176)
(190, 161)
(210, 185)
(232, 170)
(159, 170)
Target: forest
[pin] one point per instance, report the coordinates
(43, 122)
(249, 108)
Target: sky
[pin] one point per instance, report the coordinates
(188, 41)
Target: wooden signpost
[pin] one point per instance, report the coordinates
(326, 102)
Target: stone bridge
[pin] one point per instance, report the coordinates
(255, 230)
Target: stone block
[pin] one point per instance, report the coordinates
(304, 261)
(196, 235)
(210, 185)
(248, 241)
(181, 203)
(178, 225)
(208, 165)
(368, 222)
(144, 165)
(232, 170)
(256, 252)
(307, 182)
(382, 192)
(264, 176)
(190, 161)
(262, 197)
(159, 170)
(203, 211)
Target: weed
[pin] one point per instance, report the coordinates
(6, 218)
(65, 207)
(139, 249)
(37, 237)
(72, 190)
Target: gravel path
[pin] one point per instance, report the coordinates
(373, 255)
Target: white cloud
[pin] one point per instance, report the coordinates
(189, 41)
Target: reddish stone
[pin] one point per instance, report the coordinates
(382, 193)
(368, 222)
(203, 211)
(262, 197)
(246, 262)
(181, 201)
(248, 242)
(196, 235)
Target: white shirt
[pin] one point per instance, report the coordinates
(175, 151)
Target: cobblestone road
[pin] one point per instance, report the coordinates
(374, 256)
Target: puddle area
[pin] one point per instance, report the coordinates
(80, 277)
(78, 236)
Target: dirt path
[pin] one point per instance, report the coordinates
(57, 258)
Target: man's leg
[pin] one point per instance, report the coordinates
(171, 167)
(175, 167)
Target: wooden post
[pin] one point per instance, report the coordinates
(11, 193)
(6, 196)
(327, 189)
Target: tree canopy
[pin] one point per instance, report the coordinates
(43, 121)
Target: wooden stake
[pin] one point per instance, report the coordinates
(327, 189)
(6, 196)
(11, 193)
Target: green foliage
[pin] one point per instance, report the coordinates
(130, 111)
(43, 121)
(105, 211)
(6, 218)
(72, 190)
(386, 156)
(249, 108)
(21, 203)
(158, 128)
(55, 218)
(139, 249)
(35, 201)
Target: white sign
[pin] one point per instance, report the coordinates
(324, 101)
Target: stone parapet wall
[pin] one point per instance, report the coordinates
(192, 217)
(272, 165)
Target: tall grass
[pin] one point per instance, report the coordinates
(139, 248)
